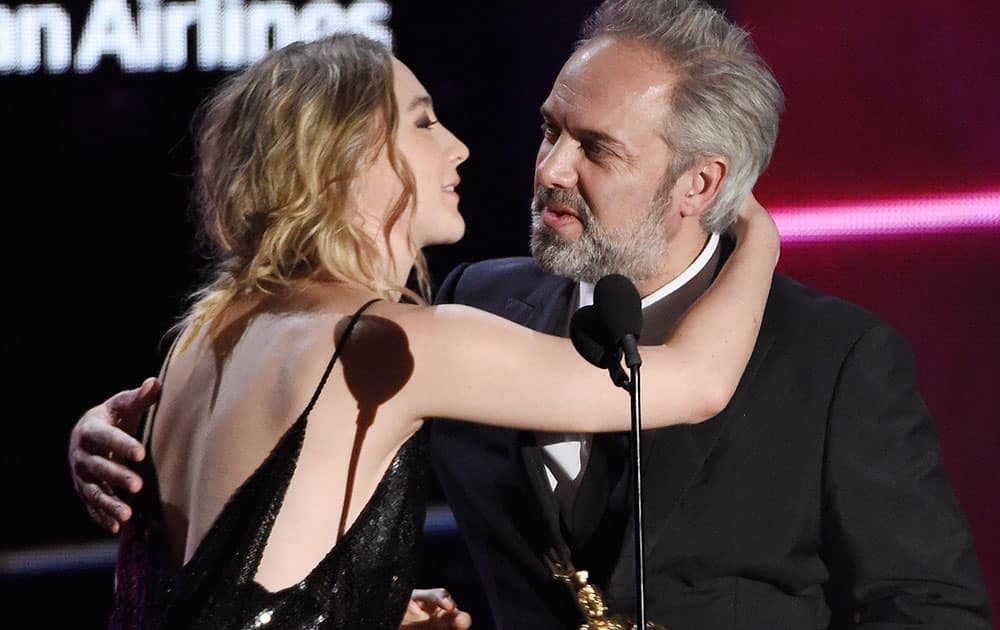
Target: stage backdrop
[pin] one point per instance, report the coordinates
(885, 183)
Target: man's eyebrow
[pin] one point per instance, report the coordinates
(423, 99)
(593, 136)
(599, 137)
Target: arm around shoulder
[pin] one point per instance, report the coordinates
(468, 364)
(715, 338)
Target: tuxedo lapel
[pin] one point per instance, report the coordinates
(534, 469)
(546, 309)
(672, 457)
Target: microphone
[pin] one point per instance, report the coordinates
(592, 340)
(620, 307)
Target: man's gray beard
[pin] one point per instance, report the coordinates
(635, 252)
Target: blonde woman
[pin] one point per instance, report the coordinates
(283, 485)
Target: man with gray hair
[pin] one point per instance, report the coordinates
(815, 500)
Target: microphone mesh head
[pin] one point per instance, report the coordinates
(591, 338)
(619, 305)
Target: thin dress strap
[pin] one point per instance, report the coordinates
(145, 428)
(336, 353)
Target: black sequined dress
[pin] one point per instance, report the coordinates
(363, 582)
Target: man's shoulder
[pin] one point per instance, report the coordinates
(516, 270)
(795, 307)
(498, 279)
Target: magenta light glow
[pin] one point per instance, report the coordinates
(931, 214)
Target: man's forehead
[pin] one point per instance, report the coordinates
(618, 65)
(583, 90)
(604, 87)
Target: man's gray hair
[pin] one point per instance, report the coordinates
(725, 101)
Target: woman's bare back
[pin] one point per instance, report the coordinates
(232, 394)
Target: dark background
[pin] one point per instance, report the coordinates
(888, 102)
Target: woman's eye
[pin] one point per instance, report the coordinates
(426, 123)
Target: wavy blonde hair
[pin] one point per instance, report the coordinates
(281, 148)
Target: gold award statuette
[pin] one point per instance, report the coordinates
(591, 603)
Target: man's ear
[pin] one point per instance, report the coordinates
(699, 186)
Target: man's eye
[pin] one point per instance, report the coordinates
(549, 132)
(593, 151)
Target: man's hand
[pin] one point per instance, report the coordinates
(99, 445)
(434, 609)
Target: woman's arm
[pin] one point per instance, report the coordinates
(468, 364)
(718, 333)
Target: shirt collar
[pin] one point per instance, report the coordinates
(587, 289)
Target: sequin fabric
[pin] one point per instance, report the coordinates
(363, 582)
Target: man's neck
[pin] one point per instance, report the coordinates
(680, 254)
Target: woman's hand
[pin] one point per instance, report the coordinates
(434, 609)
(754, 222)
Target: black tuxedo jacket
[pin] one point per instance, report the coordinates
(815, 500)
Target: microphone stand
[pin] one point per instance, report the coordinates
(619, 308)
(637, 521)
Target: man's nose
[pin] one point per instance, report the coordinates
(557, 168)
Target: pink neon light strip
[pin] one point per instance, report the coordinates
(933, 214)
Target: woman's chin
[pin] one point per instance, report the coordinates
(456, 236)
(452, 234)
